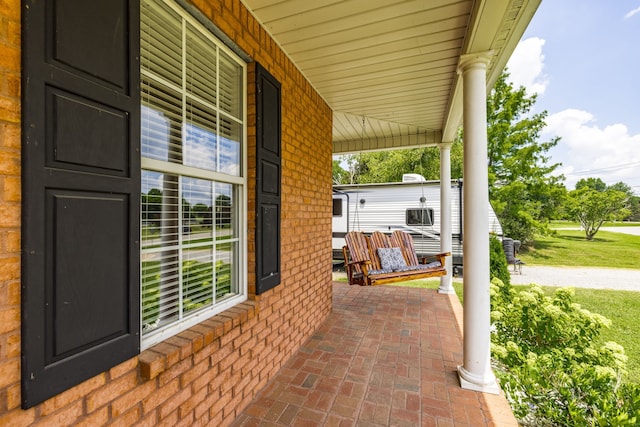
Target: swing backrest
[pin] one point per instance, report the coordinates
(355, 250)
(380, 240)
(405, 242)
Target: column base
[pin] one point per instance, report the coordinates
(484, 384)
(446, 286)
(446, 290)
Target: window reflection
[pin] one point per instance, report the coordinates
(155, 134)
(225, 227)
(197, 207)
(202, 147)
(206, 150)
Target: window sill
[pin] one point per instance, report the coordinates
(162, 356)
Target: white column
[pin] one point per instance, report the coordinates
(476, 373)
(445, 216)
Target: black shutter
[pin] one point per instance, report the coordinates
(81, 191)
(268, 153)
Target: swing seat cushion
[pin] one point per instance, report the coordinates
(434, 264)
(391, 259)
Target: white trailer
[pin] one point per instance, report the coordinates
(412, 205)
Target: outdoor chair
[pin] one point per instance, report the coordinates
(510, 248)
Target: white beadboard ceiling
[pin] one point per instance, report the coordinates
(387, 68)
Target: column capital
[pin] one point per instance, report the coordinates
(445, 144)
(474, 60)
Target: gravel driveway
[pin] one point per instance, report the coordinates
(583, 277)
(634, 230)
(579, 277)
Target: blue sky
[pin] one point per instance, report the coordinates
(582, 58)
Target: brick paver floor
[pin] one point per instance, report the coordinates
(386, 356)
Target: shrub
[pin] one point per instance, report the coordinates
(498, 266)
(548, 365)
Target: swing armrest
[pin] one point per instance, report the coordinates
(364, 265)
(439, 257)
(365, 262)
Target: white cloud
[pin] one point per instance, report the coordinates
(632, 12)
(609, 153)
(526, 66)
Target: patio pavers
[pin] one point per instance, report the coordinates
(385, 356)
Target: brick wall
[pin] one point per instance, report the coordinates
(9, 205)
(205, 375)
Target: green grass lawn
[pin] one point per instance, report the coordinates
(570, 248)
(565, 224)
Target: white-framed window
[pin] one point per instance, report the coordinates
(193, 195)
(419, 216)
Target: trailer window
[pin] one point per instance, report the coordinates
(337, 207)
(419, 216)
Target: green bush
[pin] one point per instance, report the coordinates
(498, 266)
(548, 365)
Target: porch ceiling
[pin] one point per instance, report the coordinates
(388, 68)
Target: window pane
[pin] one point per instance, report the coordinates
(197, 207)
(225, 227)
(161, 123)
(160, 203)
(230, 86)
(200, 137)
(160, 289)
(229, 147)
(160, 254)
(197, 278)
(201, 74)
(161, 42)
(226, 283)
(419, 216)
(337, 207)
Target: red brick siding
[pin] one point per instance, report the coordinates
(206, 375)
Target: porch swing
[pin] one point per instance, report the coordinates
(386, 258)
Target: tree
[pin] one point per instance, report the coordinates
(522, 189)
(633, 201)
(348, 176)
(152, 207)
(621, 186)
(202, 213)
(591, 207)
(389, 166)
(594, 184)
(634, 208)
(339, 175)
